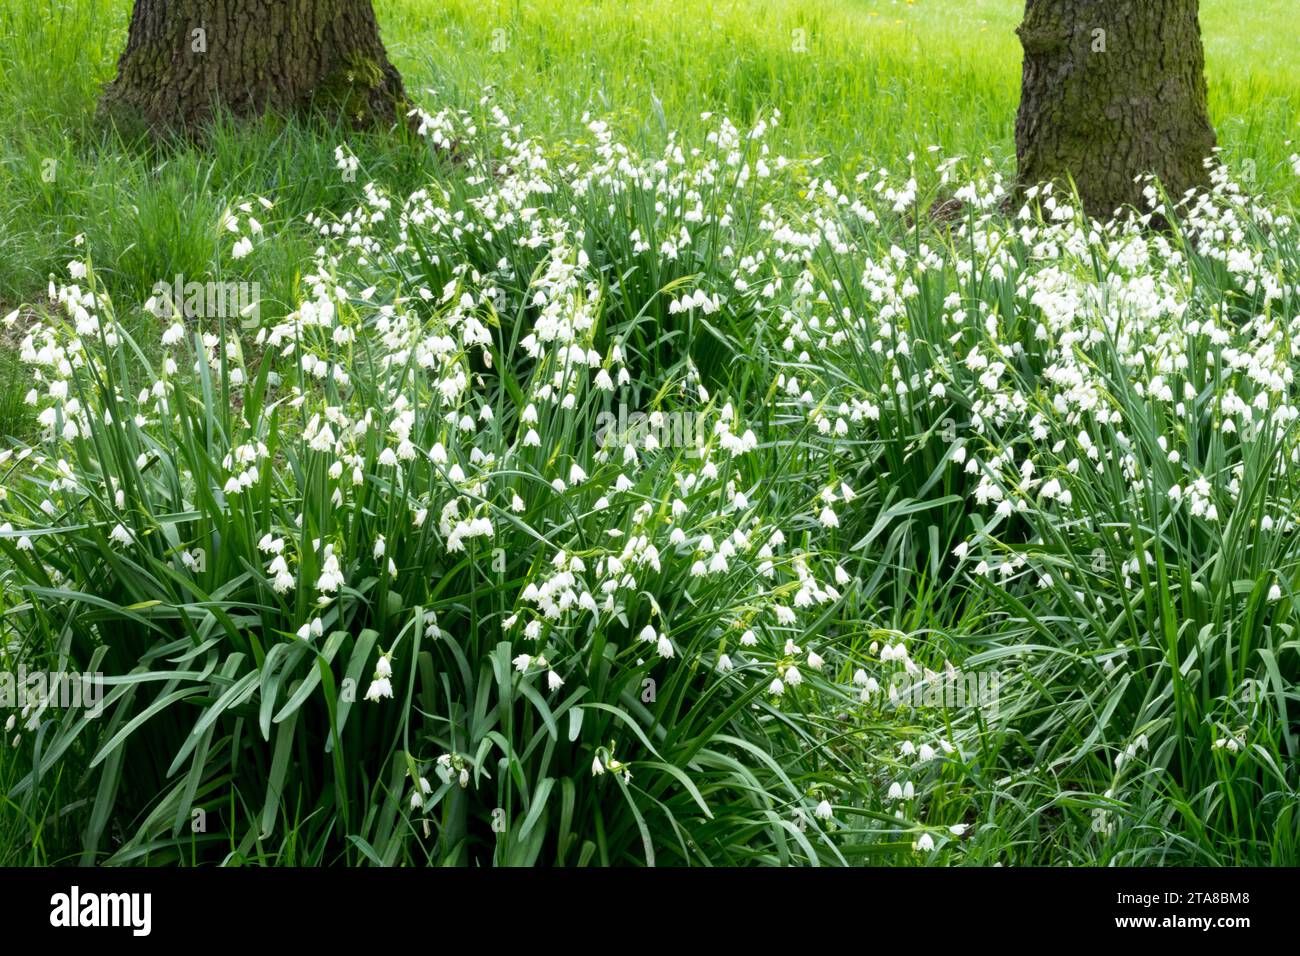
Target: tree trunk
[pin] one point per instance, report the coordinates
(184, 59)
(1113, 89)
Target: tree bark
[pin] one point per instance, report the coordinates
(184, 59)
(1111, 90)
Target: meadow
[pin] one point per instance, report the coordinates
(624, 468)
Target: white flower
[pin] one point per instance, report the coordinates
(418, 794)
(924, 843)
(824, 810)
(380, 688)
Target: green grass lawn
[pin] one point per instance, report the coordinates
(972, 372)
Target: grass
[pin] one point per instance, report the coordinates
(923, 451)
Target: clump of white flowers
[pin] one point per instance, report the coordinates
(424, 408)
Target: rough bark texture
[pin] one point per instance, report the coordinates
(1112, 89)
(185, 58)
